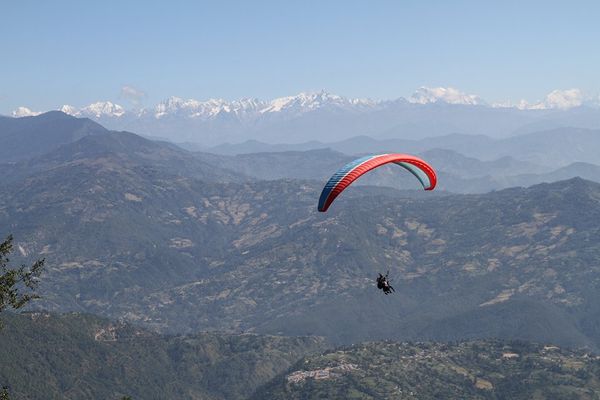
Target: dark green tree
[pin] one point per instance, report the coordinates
(17, 285)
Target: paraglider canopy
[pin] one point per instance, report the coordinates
(352, 171)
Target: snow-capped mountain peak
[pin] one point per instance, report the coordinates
(312, 101)
(102, 109)
(252, 107)
(67, 109)
(426, 95)
(191, 108)
(555, 100)
(245, 108)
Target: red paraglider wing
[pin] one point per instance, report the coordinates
(352, 171)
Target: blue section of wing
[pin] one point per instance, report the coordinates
(338, 176)
(417, 172)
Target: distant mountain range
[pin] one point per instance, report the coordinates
(550, 156)
(182, 242)
(551, 148)
(313, 116)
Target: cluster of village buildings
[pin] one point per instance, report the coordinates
(325, 373)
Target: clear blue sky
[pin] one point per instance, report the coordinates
(76, 52)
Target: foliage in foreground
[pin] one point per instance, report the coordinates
(16, 284)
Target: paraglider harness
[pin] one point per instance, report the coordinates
(384, 284)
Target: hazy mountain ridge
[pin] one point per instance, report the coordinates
(551, 148)
(320, 164)
(22, 138)
(73, 141)
(397, 119)
(456, 173)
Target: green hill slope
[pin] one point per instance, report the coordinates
(47, 356)
(471, 370)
